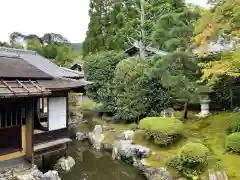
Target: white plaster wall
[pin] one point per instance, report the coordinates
(57, 113)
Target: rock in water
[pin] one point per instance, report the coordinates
(65, 164)
(81, 136)
(51, 175)
(25, 177)
(96, 137)
(128, 135)
(124, 149)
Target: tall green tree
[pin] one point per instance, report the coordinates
(118, 24)
(175, 28)
(178, 73)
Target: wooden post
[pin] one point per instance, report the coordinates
(29, 131)
(66, 151)
(32, 159)
(43, 161)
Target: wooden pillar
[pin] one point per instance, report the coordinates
(43, 159)
(29, 131)
(66, 151)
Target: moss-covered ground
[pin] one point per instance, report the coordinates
(211, 131)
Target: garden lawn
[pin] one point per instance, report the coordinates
(210, 131)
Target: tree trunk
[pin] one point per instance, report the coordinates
(231, 97)
(142, 52)
(185, 111)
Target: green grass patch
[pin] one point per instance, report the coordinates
(160, 124)
(84, 128)
(211, 131)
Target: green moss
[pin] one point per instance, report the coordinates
(87, 104)
(233, 142)
(211, 131)
(84, 128)
(194, 152)
(160, 124)
(234, 125)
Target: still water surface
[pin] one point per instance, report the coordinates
(92, 165)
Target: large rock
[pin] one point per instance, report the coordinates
(65, 164)
(96, 137)
(169, 112)
(124, 149)
(127, 135)
(81, 136)
(51, 175)
(153, 173)
(25, 177)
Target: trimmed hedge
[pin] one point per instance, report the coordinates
(161, 124)
(163, 131)
(194, 153)
(191, 161)
(233, 142)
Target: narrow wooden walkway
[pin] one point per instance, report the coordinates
(50, 144)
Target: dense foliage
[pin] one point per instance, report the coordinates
(192, 160)
(130, 101)
(234, 125)
(100, 69)
(116, 24)
(233, 142)
(52, 46)
(163, 131)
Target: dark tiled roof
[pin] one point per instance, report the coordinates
(15, 67)
(39, 62)
(63, 83)
(15, 88)
(135, 48)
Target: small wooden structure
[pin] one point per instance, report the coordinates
(32, 88)
(150, 51)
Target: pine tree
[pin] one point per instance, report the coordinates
(175, 28)
(118, 24)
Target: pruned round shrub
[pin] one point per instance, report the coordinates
(163, 131)
(233, 142)
(234, 125)
(191, 161)
(194, 153)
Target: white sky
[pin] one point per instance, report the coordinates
(66, 17)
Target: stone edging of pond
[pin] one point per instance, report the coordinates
(28, 174)
(123, 149)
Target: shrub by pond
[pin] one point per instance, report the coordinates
(234, 125)
(163, 131)
(233, 142)
(192, 160)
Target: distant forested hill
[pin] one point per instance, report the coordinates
(76, 45)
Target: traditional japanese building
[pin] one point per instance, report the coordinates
(34, 104)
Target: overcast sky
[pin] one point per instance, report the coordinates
(66, 17)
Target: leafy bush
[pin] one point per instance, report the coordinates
(130, 101)
(233, 142)
(234, 125)
(163, 131)
(100, 68)
(191, 161)
(194, 153)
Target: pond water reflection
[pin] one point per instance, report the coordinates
(92, 165)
